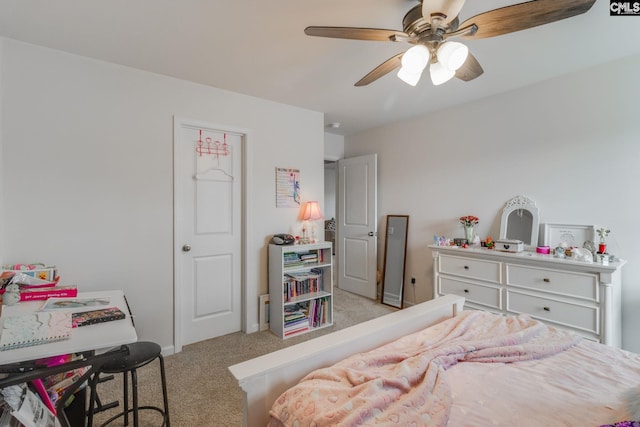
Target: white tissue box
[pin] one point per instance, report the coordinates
(510, 245)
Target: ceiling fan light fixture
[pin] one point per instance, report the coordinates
(440, 74)
(452, 55)
(416, 59)
(408, 77)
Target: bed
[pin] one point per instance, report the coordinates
(557, 378)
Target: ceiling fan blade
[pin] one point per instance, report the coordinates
(449, 8)
(470, 69)
(524, 15)
(386, 67)
(373, 34)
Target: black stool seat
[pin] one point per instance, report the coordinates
(140, 354)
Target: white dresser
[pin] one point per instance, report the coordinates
(583, 297)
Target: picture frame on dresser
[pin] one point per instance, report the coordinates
(573, 235)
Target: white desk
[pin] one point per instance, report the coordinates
(87, 338)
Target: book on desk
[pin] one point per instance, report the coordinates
(43, 327)
(35, 328)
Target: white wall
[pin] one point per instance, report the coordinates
(88, 173)
(333, 146)
(570, 144)
(333, 151)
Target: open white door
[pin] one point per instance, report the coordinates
(357, 225)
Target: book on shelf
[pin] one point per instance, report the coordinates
(300, 259)
(43, 293)
(297, 284)
(92, 317)
(311, 257)
(318, 312)
(296, 314)
(35, 328)
(296, 331)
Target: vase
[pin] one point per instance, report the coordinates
(468, 233)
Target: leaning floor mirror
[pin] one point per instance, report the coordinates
(395, 250)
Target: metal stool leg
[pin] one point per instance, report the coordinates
(134, 392)
(165, 397)
(125, 386)
(93, 383)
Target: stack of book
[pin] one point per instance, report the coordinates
(292, 260)
(318, 312)
(309, 257)
(296, 320)
(297, 284)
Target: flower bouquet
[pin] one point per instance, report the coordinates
(468, 222)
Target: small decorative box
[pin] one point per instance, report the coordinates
(510, 245)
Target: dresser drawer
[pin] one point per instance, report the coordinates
(487, 295)
(564, 313)
(472, 268)
(572, 284)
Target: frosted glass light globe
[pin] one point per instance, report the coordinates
(452, 55)
(440, 74)
(408, 77)
(416, 59)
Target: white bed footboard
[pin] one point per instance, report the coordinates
(264, 378)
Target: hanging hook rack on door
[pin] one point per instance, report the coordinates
(218, 149)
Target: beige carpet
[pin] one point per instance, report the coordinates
(202, 391)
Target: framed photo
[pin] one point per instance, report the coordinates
(572, 235)
(264, 312)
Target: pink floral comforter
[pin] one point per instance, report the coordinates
(403, 382)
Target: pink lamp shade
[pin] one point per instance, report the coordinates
(312, 212)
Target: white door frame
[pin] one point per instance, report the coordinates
(177, 233)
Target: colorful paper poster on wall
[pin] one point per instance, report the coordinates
(287, 188)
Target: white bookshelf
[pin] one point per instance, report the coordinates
(300, 285)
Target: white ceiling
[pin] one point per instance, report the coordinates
(258, 47)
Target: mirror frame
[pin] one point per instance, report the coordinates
(391, 256)
(522, 202)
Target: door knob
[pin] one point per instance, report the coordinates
(186, 248)
(371, 234)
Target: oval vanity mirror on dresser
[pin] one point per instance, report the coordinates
(521, 221)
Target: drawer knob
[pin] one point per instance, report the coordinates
(546, 308)
(546, 280)
(466, 267)
(466, 291)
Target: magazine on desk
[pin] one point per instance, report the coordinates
(74, 303)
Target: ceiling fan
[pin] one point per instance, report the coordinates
(429, 25)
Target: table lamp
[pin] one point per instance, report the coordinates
(312, 213)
